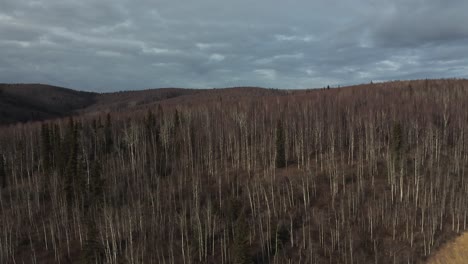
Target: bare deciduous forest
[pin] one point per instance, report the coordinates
(364, 174)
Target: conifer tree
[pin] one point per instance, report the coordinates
(150, 123)
(71, 147)
(281, 238)
(94, 125)
(175, 136)
(55, 141)
(397, 142)
(3, 182)
(240, 249)
(177, 120)
(109, 142)
(46, 148)
(93, 140)
(160, 112)
(66, 147)
(280, 146)
(96, 184)
(92, 252)
(162, 165)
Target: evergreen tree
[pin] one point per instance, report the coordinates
(162, 165)
(109, 142)
(71, 171)
(282, 236)
(56, 142)
(160, 112)
(96, 184)
(150, 126)
(46, 148)
(150, 123)
(93, 138)
(240, 248)
(280, 146)
(176, 137)
(233, 209)
(3, 182)
(177, 120)
(66, 147)
(92, 252)
(397, 141)
(94, 125)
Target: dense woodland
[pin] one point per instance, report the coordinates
(366, 174)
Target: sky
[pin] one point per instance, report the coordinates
(110, 45)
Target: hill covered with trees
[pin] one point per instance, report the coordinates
(364, 174)
(29, 102)
(36, 102)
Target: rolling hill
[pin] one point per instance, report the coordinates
(29, 102)
(372, 173)
(35, 102)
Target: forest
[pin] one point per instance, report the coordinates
(371, 173)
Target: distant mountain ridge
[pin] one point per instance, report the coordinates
(36, 102)
(31, 102)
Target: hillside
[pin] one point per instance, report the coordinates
(371, 173)
(29, 102)
(35, 102)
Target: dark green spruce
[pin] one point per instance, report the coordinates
(280, 146)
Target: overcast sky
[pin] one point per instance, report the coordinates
(108, 45)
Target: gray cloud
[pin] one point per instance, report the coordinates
(110, 45)
(421, 23)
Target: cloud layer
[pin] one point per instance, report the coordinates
(107, 45)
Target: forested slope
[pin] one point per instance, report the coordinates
(30, 102)
(37, 102)
(365, 174)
